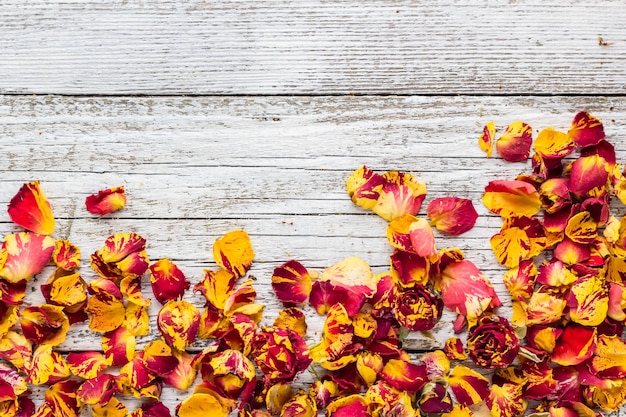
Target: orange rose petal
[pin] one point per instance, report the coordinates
(542, 337)
(552, 144)
(44, 324)
(106, 201)
(105, 307)
(178, 322)
(216, 287)
(404, 376)
(66, 255)
(514, 144)
(234, 252)
(401, 194)
(26, 255)
(130, 287)
(452, 215)
(364, 186)
(468, 386)
(118, 346)
(589, 176)
(30, 209)
(487, 138)
(519, 239)
(291, 282)
(167, 280)
(87, 365)
(511, 198)
(586, 130)
(410, 234)
(575, 345)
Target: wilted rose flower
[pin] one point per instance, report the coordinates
(417, 308)
(492, 343)
(280, 353)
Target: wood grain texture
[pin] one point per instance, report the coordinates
(195, 168)
(238, 47)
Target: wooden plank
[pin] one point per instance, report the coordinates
(312, 47)
(274, 166)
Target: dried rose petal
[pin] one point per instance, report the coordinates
(408, 269)
(410, 234)
(112, 408)
(520, 281)
(404, 375)
(575, 345)
(452, 215)
(168, 282)
(352, 405)
(9, 316)
(586, 130)
(61, 398)
(234, 253)
(400, 194)
(47, 366)
(119, 346)
(158, 358)
(544, 307)
(106, 201)
(184, 374)
(202, 404)
(492, 343)
(26, 255)
(364, 186)
(353, 273)
(44, 324)
(230, 371)
(65, 289)
(519, 239)
(454, 349)
(514, 144)
(280, 354)
(338, 334)
(511, 198)
(588, 300)
(468, 386)
(123, 255)
(589, 176)
(87, 365)
(506, 400)
(105, 306)
(435, 399)
(16, 349)
(216, 287)
(301, 405)
(66, 255)
(609, 357)
(30, 209)
(291, 319)
(487, 138)
(552, 144)
(291, 282)
(178, 322)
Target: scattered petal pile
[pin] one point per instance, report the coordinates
(562, 350)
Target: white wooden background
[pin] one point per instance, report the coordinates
(229, 114)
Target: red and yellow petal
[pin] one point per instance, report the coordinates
(230, 371)
(44, 324)
(589, 176)
(202, 405)
(353, 273)
(364, 186)
(301, 405)
(112, 408)
(26, 255)
(291, 282)
(106, 201)
(609, 357)
(519, 239)
(582, 228)
(216, 287)
(453, 215)
(158, 358)
(87, 365)
(119, 346)
(66, 255)
(588, 301)
(487, 138)
(30, 209)
(234, 253)
(105, 307)
(16, 349)
(178, 322)
(121, 245)
(404, 376)
(454, 349)
(410, 234)
(520, 281)
(514, 144)
(511, 198)
(586, 130)
(291, 319)
(351, 406)
(183, 375)
(62, 398)
(65, 289)
(338, 334)
(468, 386)
(401, 194)
(47, 366)
(544, 307)
(506, 400)
(553, 144)
(167, 280)
(575, 345)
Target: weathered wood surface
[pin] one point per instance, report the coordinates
(196, 168)
(312, 47)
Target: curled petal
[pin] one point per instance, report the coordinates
(280, 354)
(408, 269)
(586, 130)
(233, 252)
(178, 322)
(16, 349)
(543, 337)
(437, 365)
(552, 144)
(554, 194)
(435, 399)
(65, 289)
(276, 397)
(519, 239)
(506, 400)
(544, 307)
(106, 201)
(575, 345)
(514, 144)
(545, 168)
(556, 274)
(217, 287)
(454, 349)
(119, 246)
(582, 228)
(338, 334)
(12, 294)
(200, 405)
(87, 365)
(468, 386)
(589, 176)
(62, 399)
(45, 324)
(404, 376)
(325, 294)
(113, 408)
(26, 255)
(184, 374)
(301, 405)
(119, 346)
(364, 186)
(323, 391)
(459, 411)
(105, 307)
(617, 302)
(30, 209)
(350, 406)
(589, 301)
(136, 319)
(151, 409)
(9, 316)
(353, 273)
(291, 319)
(487, 138)
(411, 234)
(134, 376)
(66, 255)
(158, 358)
(511, 198)
(540, 380)
(291, 282)
(369, 365)
(47, 366)
(123, 255)
(452, 215)
(401, 194)
(230, 371)
(97, 390)
(168, 282)
(466, 290)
